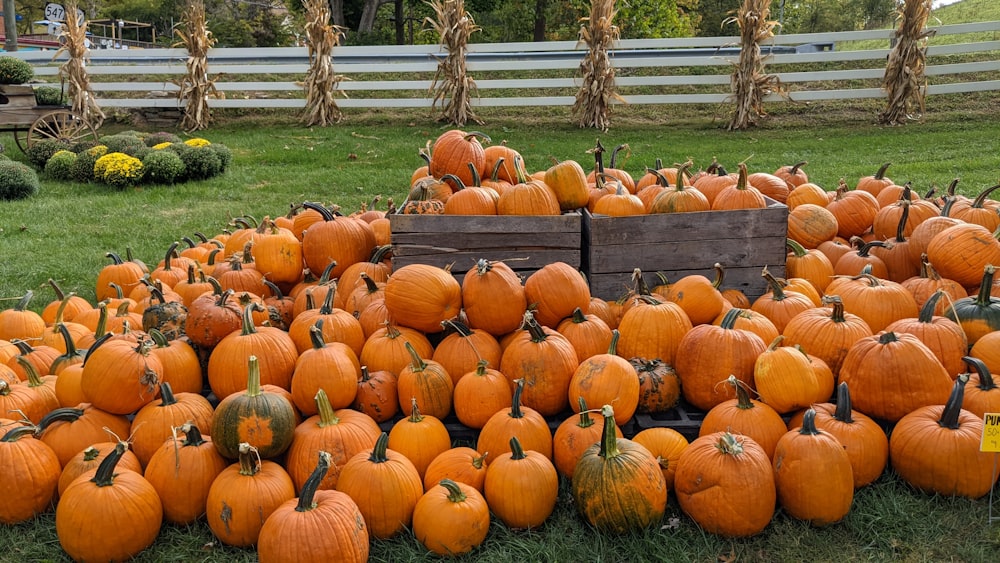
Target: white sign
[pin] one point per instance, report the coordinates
(56, 12)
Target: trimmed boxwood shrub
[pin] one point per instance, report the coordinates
(83, 169)
(159, 137)
(60, 166)
(17, 180)
(200, 163)
(225, 155)
(15, 71)
(129, 144)
(162, 167)
(40, 151)
(49, 96)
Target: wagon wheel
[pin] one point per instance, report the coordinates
(61, 124)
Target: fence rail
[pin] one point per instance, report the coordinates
(649, 71)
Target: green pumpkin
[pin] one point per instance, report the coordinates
(260, 418)
(978, 315)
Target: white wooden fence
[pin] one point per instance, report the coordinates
(653, 71)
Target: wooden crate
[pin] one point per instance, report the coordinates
(679, 244)
(524, 243)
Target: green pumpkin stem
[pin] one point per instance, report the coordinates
(985, 377)
(327, 415)
(983, 298)
(167, 397)
(729, 319)
(316, 334)
(609, 438)
(729, 444)
(743, 401)
(380, 451)
(17, 432)
(253, 377)
(585, 420)
(953, 408)
(192, 435)
(844, 411)
(809, 422)
(105, 475)
(308, 491)
(515, 405)
(455, 493)
(415, 416)
(613, 346)
(516, 451)
(417, 363)
(248, 311)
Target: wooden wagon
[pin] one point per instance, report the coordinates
(31, 122)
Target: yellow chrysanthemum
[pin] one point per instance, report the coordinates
(197, 142)
(161, 146)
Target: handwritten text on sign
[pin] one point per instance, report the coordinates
(991, 433)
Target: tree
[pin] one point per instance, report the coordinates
(9, 26)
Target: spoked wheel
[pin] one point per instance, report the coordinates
(61, 124)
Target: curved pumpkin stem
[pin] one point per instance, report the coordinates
(585, 420)
(844, 410)
(327, 415)
(516, 451)
(985, 377)
(609, 439)
(308, 492)
(809, 422)
(515, 405)
(952, 409)
(106, 470)
(455, 493)
(380, 451)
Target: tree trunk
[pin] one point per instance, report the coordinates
(540, 6)
(400, 24)
(337, 12)
(9, 26)
(368, 14)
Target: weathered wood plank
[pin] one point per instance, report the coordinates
(680, 227)
(686, 255)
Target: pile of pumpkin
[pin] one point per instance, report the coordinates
(109, 406)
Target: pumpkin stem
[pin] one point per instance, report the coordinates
(985, 377)
(192, 435)
(17, 432)
(455, 493)
(249, 459)
(379, 452)
(585, 420)
(308, 491)
(327, 415)
(952, 409)
(613, 346)
(843, 412)
(106, 470)
(415, 416)
(609, 439)
(417, 363)
(515, 405)
(743, 401)
(887, 338)
(809, 423)
(730, 318)
(729, 444)
(65, 414)
(253, 377)
(167, 397)
(516, 451)
(316, 335)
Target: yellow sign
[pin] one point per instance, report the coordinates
(991, 433)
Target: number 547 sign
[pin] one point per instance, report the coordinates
(56, 12)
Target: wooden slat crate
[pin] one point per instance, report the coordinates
(524, 243)
(679, 244)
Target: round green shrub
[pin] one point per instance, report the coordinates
(60, 165)
(125, 143)
(154, 139)
(40, 151)
(225, 155)
(49, 96)
(83, 169)
(162, 167)
(200, 163)
(17, 180)
(15, 71)
(118, 169)
(83, 144)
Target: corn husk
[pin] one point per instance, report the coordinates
(904, 80)
(453, 89)
(195, 86)
(321, 84)
(74, 72)
(749, 82)
(595, 97)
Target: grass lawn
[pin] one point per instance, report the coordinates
(65, 230)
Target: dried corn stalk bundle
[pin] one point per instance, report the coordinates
(749, 83)
(321, 84)
(73, 71)
(904, 80)
(453, 88)
(593, 100)
(195, 86)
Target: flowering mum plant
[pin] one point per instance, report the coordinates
(118, 169)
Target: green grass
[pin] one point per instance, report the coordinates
(888, 522)
(65, 230)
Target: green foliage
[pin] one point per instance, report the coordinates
(83, 169)
(222, 151)
(162, 167)
(200, 163)
(60, 166)
(49, 96)
(17, 180)
(126, 143)
(153, 139)
(15, 71)
(40, 151)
